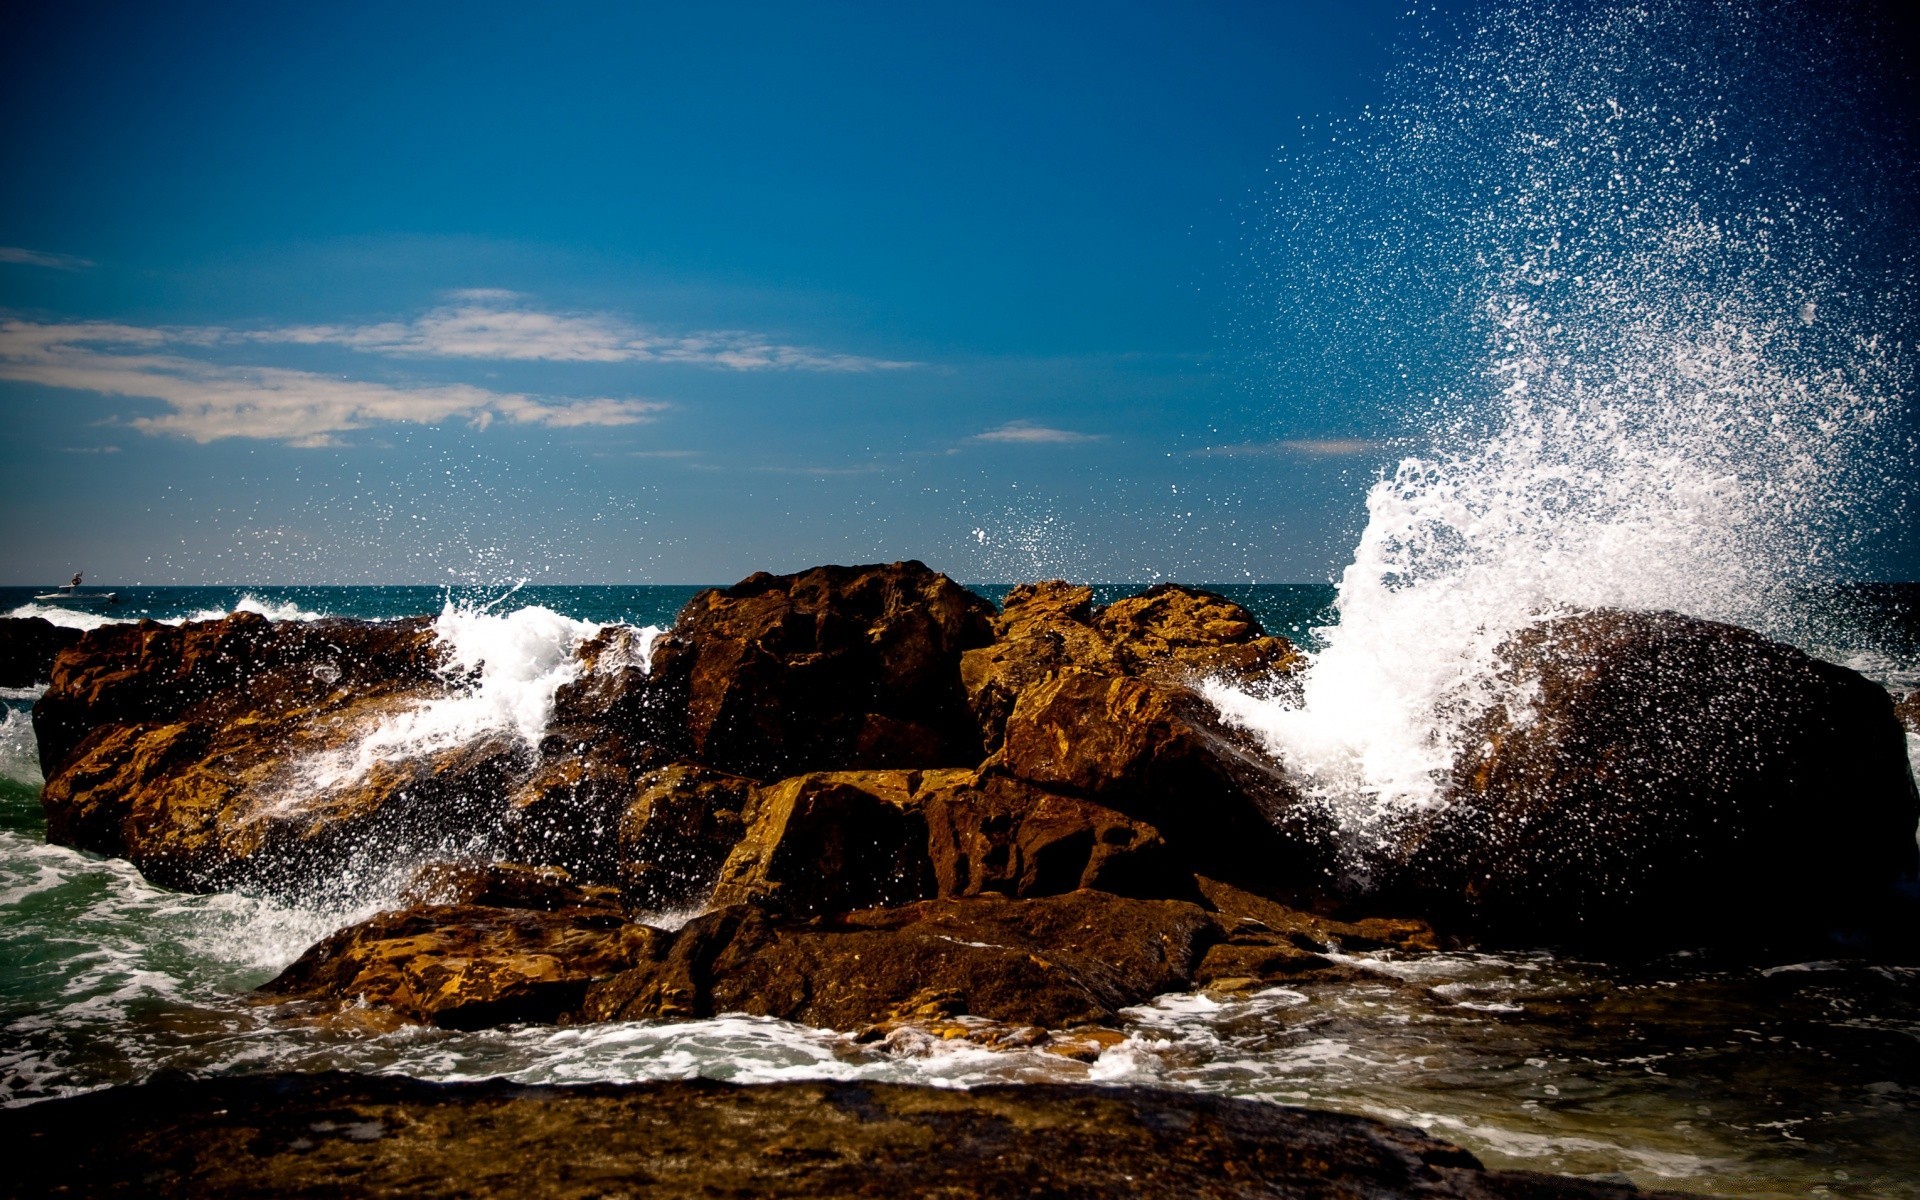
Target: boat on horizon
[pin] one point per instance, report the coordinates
(71, 593)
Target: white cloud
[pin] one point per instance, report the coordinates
(1028, 433)
(206, 401)
(486, 323)
(39, 258)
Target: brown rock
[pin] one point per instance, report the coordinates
(28, 646)
(834, 668)
(1043, 629)
(990, 832)
(676, 832)
(505, 885)
(469, 966)
(1168, 618)
(1670, 781)
(337, 1135)
(219, 754)
(835, 841)
(1159, 753)
(1052, 961)
(568, 811)
(1907, 708)
(1241, 910)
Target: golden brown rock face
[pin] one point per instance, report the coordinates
(1666, 780)
(333, 1134)
(837, 668)
(1053, 961)
(179, 747)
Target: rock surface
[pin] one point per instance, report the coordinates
(334, 1135)
(1662, 780)
(1053, 962)
(28, 646)
(836, 668)
(517, 944)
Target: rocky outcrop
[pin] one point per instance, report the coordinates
(1658, 780)
(343, 1135)
(28, 646)
(1160, 753)
(517, 944)
(1053, 962)
(836, 668)
(226, 753)
(835, 841)
(676, 833)
(527, 945)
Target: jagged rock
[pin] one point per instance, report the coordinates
(505, 885)
(990, 832)
(527, 950)
(1238, 909)
(340, 1135)
(1043, 628)
(570, 808)
(676, 832)
(28, 646)
(834, 841)
(1907, 707)
(224, 753)
(836, 668)
(1052, 961)
(1160, 753)
(1659, 780)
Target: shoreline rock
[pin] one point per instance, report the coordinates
(28, 646)
(1657, 780)
(336, 1134)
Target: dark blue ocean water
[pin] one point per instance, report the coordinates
(1874, 627)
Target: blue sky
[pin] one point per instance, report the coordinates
(409, 293)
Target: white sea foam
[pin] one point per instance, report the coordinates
(273, 610)
(69, 618)
(502, 671)
(1684, 400)
(19, 752)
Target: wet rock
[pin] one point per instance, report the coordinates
(569, 809)
(334, 1134)
(28, 646)
(1907, 708)
(505, 885)
(224, 753)
(1241, 910)
(1050, 961)
(834, 841)
(836, 668)
(676, 833)
(1168, 618)
(473, 965)
(1160, 753)
(1043, 628)
(1657, 780)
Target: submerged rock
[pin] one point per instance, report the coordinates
(335, 1134)
(1657, 780)
(835, 668)
(28, 646)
